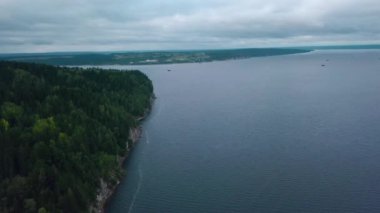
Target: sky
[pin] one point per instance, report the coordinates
(128, 25)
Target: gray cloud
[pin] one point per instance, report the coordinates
(103, 25)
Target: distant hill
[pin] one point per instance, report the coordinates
(148, 57)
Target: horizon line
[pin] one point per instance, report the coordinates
(303, 47)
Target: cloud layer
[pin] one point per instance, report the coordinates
(103, 25)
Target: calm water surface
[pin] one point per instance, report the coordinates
(273, 134)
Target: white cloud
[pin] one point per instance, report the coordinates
(75, 25)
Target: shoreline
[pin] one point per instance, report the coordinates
(150, 58)
(106, 189)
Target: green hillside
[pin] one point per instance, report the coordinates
(61, 131)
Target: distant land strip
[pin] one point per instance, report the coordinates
(147, 57)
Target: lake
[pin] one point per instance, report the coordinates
(295, 133)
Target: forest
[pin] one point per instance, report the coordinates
(62, 130)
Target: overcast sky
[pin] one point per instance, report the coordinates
(107, 25)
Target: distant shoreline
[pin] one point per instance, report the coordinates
(166, 57)
(149, 58)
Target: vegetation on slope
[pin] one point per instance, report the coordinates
(61, 131)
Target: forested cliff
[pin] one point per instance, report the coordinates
(62, 130)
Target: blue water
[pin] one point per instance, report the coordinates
(272, 134)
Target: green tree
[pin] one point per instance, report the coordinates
(11, 111)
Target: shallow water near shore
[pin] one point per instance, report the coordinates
(271, 134)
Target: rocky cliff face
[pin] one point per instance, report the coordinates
(106, 189)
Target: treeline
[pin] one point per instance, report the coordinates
(61, 131)
(155, 57)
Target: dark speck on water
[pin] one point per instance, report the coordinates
(271, 134)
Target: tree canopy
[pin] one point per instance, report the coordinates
(61, 131)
